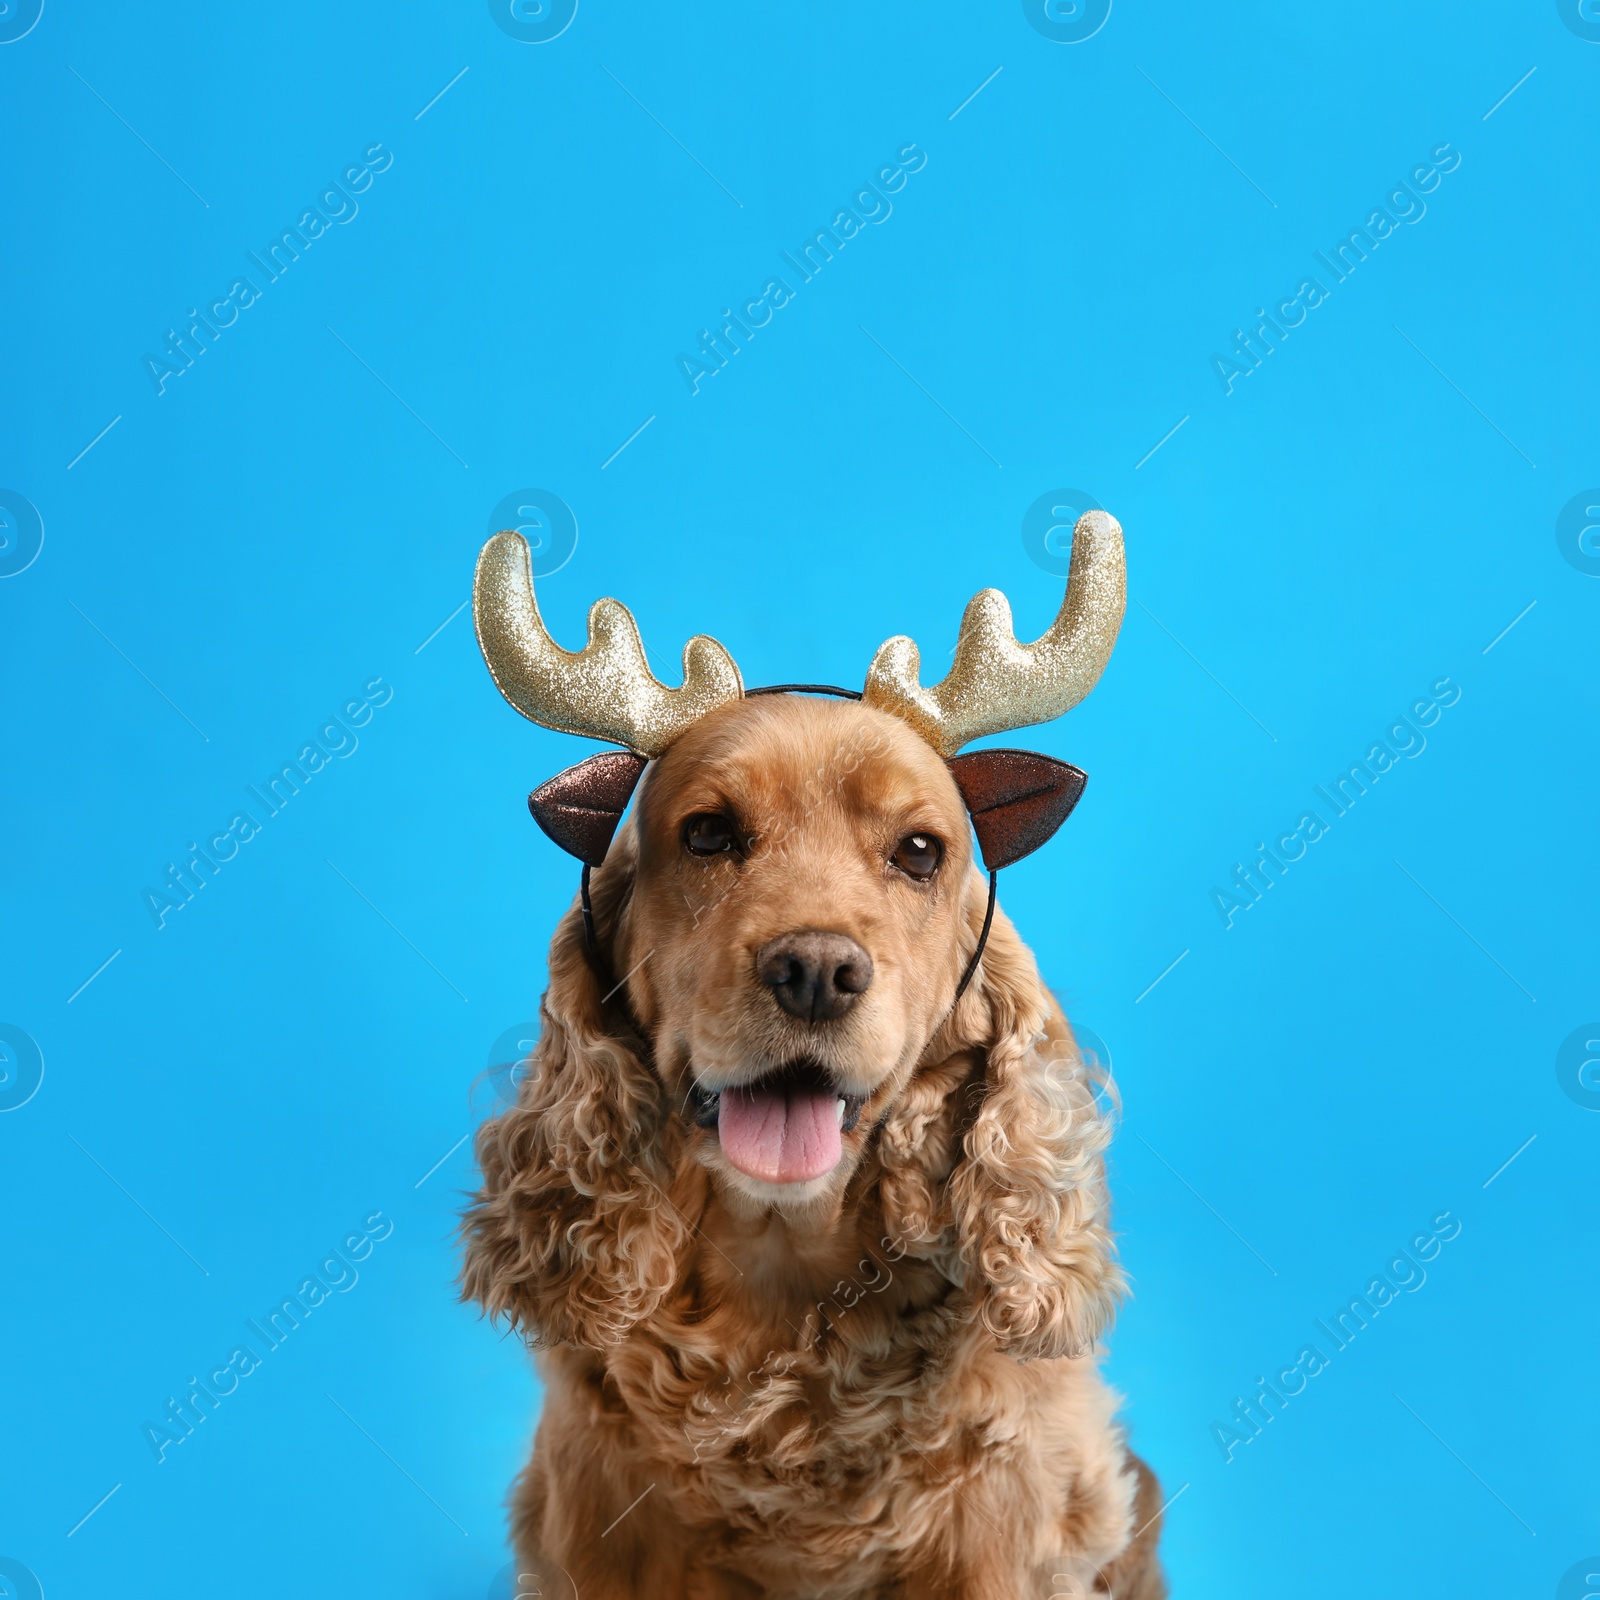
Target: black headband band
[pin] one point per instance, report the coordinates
(806, 688)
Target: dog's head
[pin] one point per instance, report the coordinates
(781, 934)
(799, 915)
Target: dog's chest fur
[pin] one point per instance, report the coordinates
(846, 1412)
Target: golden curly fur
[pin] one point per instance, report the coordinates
(879, 1382)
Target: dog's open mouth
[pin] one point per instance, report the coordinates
(783, 1128)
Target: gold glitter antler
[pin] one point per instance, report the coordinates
(996, 683)
(604, 691)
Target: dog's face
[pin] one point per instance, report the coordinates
(793, 937)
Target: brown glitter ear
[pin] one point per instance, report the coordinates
(580, 808)
(1017, 800)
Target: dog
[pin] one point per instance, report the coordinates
(810, 1231)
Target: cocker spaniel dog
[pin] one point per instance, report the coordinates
(802, 1200)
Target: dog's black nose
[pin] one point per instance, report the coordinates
(813, 975)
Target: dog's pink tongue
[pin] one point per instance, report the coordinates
(781, 1135)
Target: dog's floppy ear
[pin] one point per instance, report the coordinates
(573, 1237)
(580, 808)
(1017, 800)
(1028, 1199)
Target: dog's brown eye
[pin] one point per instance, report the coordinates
(708, 834)
(918, 855)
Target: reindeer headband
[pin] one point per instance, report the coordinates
(1017, 799)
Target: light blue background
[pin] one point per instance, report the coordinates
(299, 1046)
